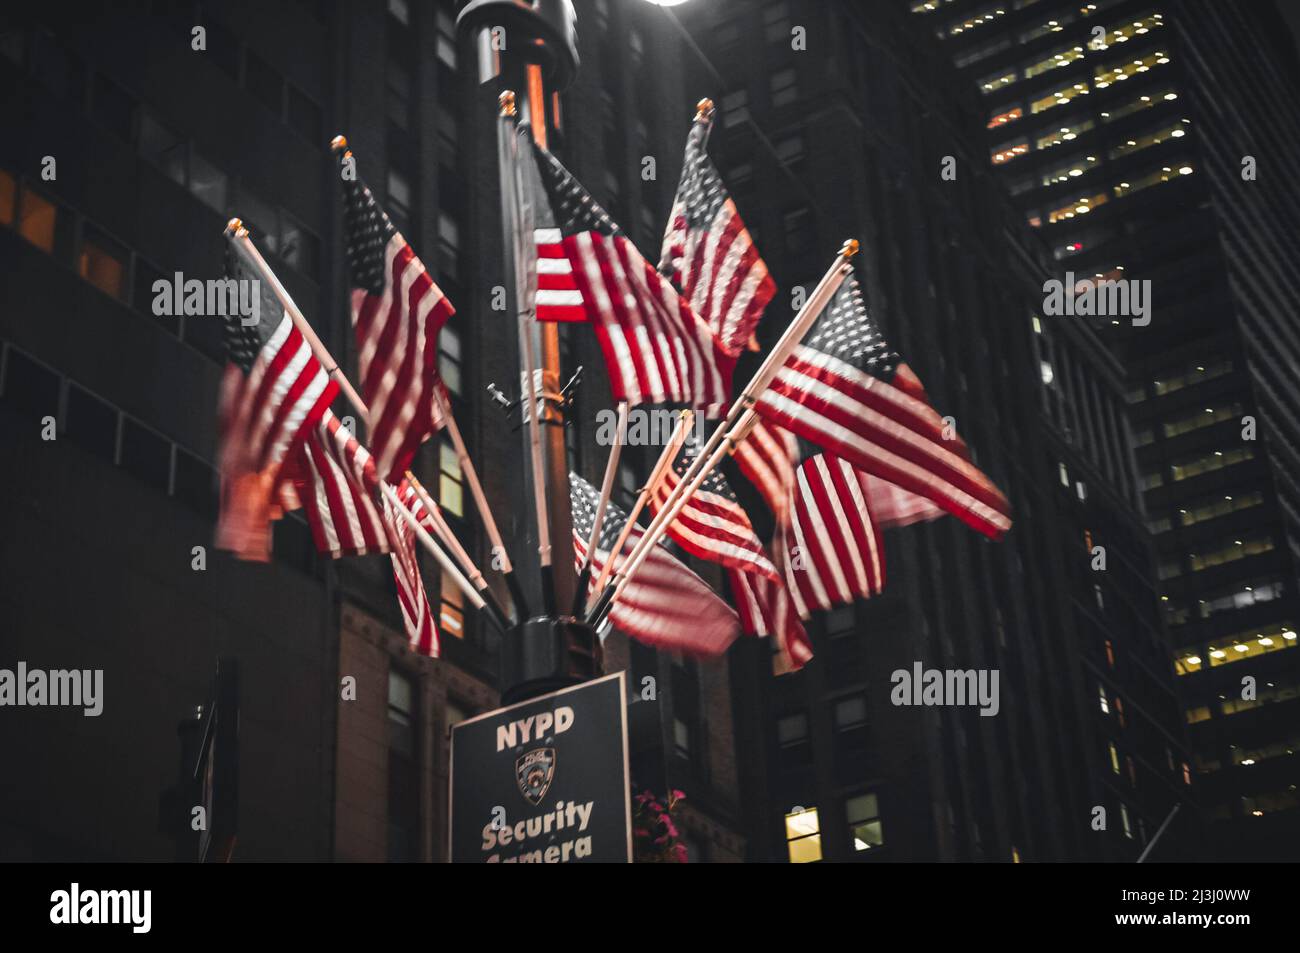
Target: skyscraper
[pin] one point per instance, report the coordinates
(852, 120)
(1138, 139)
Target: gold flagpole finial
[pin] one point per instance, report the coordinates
(233, 226)
(338, 142)
(850, 248)
(703, 109)
(507, 102)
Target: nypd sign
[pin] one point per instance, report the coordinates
(544, 781)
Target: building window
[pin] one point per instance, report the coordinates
(784, 87)
(735, 108)
(448, 245)
(1103, 699)
(207, 183)
(792, 730)
(91, 423)
(451, 618)
(30, 386)
(445, 45)
(451, 490)
(146, 455)
(163, 147)
(681, 738)
(399, 195)
(798, 227)
(863, 815)
(790, 150)
(266, 85)
(1114, 757)
(449, 359)
(803, 838)
(103, 262)
(776, 22)
(850, 714)
(8, 198)
(401, 11)
(38, 220)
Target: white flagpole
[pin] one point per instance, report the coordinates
(606, 489)
(238, 237)
(738, 422)
(666, 457)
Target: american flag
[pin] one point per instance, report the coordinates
(273, 391)
(712, 525)
(665, 604)
(656, 349)
(709, 253)
(846, 391)
(830, 547)
(336, 482)
(397, 312)
(417, 615)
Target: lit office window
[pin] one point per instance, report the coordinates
(1120, 72)
(995, 81)
(1066, 132)
(1080, 206)
(1114, 757)
(863, 815)
(1010, 150)
(38, 220)
(1054, 60)
(451, 617)
(1004, 117)
(103, 262)
(1167, 173)
(803, 839)
(1163, 133)
(1128, 829)
(1103, 699)
(1058, 97)
(8, 198)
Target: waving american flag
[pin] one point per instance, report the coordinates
(709, 253)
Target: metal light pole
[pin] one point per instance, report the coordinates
(529, 52)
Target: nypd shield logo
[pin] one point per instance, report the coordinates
(534, 771)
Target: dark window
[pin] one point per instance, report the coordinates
(204, 334)
(261, 79)
(143, 295)
(299, 247)
(195, 484)
(163, 147)
(91, 423)
(103, 262)
(223, 49)
(798, 225)
(304, 116)
(208, 184)
(403, 784)
(113, 106)
(292, 544)
(863, 815)
(145, 455)
(60, 71)
(29, 386)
